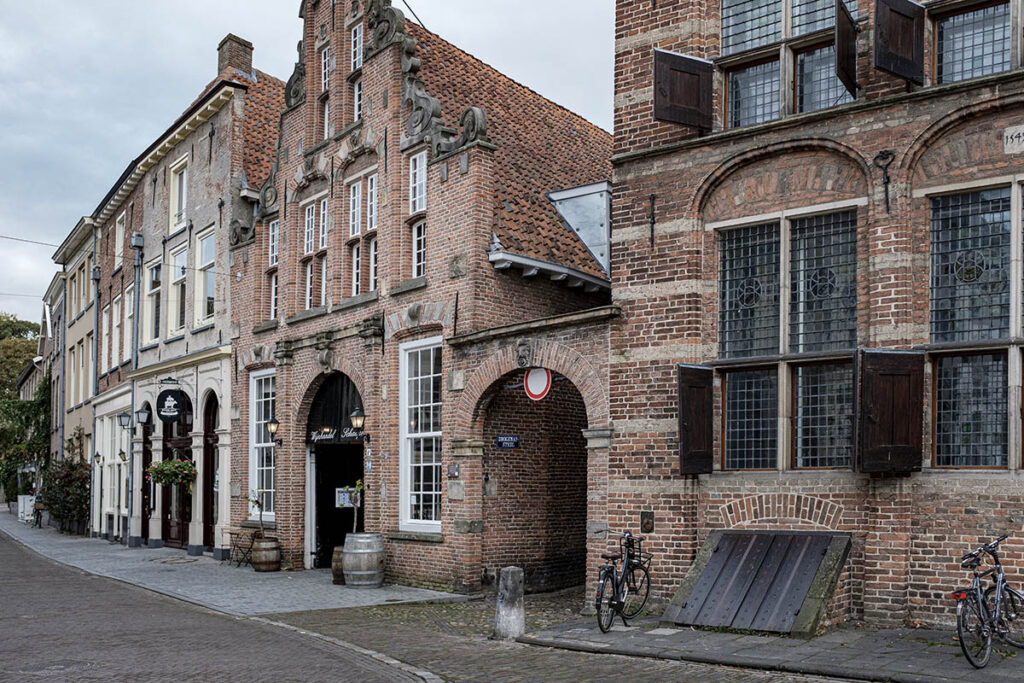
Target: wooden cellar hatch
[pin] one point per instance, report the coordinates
(777, 581)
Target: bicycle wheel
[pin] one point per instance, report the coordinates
(638, 587)
(973, 633)
(1011, 619)
(605, 602)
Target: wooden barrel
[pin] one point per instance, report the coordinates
(337, 566)
(266, 555)
(363, 560)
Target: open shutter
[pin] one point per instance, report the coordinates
(899, 39)
(682, 90)
(889, 411)
(696, 441)
(846, 48)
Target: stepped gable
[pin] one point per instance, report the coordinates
(541, 147)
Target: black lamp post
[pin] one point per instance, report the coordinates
(141, 416)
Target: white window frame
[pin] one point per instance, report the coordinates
(357, 46)
(357, 100)
(254, 469)
(355, 210)
(105, 321)
(323, 223)
(418, 183)
(273, 232)
(310, 241)
(177, 293)
(177, 219)
(357, 266)
(419, 249)
(273, 295)
(204, 269)
(116, 331)
(325, 69)
(404, 478)
(119, 228)
(373, 265)
(323, 281)
(371, 202)
(309, 285)
(152, 323)
(129, 322)
(72, 379)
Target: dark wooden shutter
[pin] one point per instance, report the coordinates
(682, 90)
(899, 39)
(889, 412)
(696, 439)
(846, 48)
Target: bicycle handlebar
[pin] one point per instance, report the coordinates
(989, 549)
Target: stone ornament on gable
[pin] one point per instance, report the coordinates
(240, 233)
(385, 23)
(474, 126)
(295, 90)
(268, 193)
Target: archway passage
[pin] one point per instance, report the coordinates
(336, 449)
(176, 511)
(211, 468)
(535, 483)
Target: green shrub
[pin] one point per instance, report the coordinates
(66, 493)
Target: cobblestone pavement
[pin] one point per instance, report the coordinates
(451, 641)
(203, 580)
(61, 624)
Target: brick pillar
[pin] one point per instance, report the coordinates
(598, 444)
(466, 503)
(887, 552)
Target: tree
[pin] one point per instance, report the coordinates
(17, 349)
(25, 436)
(12, 326)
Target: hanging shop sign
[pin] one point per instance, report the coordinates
(537, 383)
(169, 406)
(507, 441)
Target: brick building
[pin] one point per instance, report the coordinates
(53, 357)
(431, 229)
(784, 221)
(163, 233)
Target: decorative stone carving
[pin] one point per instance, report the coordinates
(474, 126)
(268, 193)
(283, 353)
(326, 360)
(240, 233)
(295, 90)
(426, 110)
(385, 23)
(371, 330)
(524, 353)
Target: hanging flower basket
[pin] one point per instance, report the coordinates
(172, 472)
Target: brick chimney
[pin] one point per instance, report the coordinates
(234, 52)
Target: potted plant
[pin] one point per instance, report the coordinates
(354, 501)
(172, 472)
(266, 550)
(363, 554)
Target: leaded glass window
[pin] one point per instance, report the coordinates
(823, 315)
(813, 15)
(973, 44)
(754, 94)
(749, 291)
(747, 24)
(970, 266)
(824, 415)
(751, 419)
(817, 86)
(970, 411)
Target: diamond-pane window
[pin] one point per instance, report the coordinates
(970, 411)
(824, 415)
(973, 44)
(751, 419)
(747, 24)
(817, 86)
(823, 315)
(970, 266)
(749, 291)
(754, 94)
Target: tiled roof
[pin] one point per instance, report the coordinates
(542, 147)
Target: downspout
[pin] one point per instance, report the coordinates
(137, 246)
(63, 357)
(94, 353)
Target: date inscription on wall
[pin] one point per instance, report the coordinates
(1013, 140)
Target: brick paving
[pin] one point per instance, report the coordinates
(61, 624)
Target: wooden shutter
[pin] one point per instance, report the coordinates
(899, 39)
(682, 90)
(846, 48)
(696, 439)
(889, 411)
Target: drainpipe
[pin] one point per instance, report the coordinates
(64, 358)
(94, 352)
(136, 244)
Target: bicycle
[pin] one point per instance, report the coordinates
(998, 610)
(623, 593)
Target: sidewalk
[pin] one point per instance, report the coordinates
(903, 656)
(204, 581)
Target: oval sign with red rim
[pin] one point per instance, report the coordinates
(537, 383)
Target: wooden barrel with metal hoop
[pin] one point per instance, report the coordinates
(363, 560)
(266, 555)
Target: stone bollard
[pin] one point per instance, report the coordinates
(510, 616)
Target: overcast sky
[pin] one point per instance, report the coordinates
(86, 86)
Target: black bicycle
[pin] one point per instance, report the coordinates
(623, 593)
(996, 611)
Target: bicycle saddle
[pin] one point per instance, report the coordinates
(611, 556)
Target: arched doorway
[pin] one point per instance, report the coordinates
(336, 461)
(534, 470)
(146, 493)
(176, 511)
(211, 469)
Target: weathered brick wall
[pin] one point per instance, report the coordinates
(535, 498)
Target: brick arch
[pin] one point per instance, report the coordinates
(943, 126)
(717, 177)
(313, 379)
(791, 508)
(546, 354)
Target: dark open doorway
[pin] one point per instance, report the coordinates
(211, 421)
(176, 511)
(337, 466)
(146, 490)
